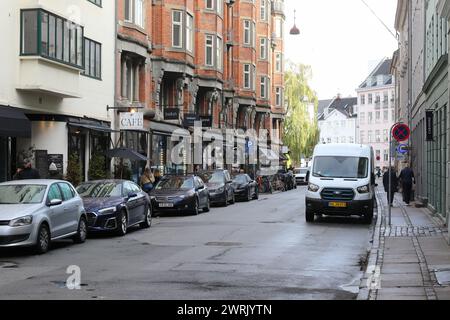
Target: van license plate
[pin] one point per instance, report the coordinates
(166, 205)
(338, 204)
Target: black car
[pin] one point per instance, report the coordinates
(220, 185)
(180, 194)
(245, 188)
(115, 205)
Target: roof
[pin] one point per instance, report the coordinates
(323, 104)
(343, 149)
(343, 105)
(382, 69)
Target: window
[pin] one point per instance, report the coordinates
(134, 12)
(177, 29)
(363, 99)
(247, 76)
(209, 50)
(210, 4)
(386, 155)
(370, 98)
(377, 136)
(54, 193)
(92, 59)
(278, 96)
(131, 70)
(377, 116)
(351, 139)
(362, 117)
(189, 33)
(220, 7)
(362, 137)
(278, 28)
(60, 39)
(264, 87)
(263, 49)
(385, 115)
(370, 117)
(386, 135)
(370, 136)
(219, 53)
(263, 11)
(279, 62)
(247, 32)
(67, 191)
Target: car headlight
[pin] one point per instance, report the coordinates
(313, 188)
(107, 210)
(20, 222)
(364, 189)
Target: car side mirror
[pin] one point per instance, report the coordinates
(55, 202)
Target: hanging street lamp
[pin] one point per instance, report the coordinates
(294, 30)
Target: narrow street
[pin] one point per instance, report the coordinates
(257, 250)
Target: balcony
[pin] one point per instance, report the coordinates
(278, 7)
(51, 54)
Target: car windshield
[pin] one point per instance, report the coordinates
(212, 177)
(100, 190)
(176, 183)
(22, 194)
(341, 167)
(240, 179)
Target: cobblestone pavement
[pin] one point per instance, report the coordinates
(409, 260)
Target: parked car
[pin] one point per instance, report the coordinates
(115, 205)
(300, 175)
(245, 188)
(175, 193)
(35, 212)
(220, 185)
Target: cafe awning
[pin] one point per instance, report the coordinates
(14, 123)
(90, 125)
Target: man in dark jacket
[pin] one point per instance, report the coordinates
(407, 179)
(27, 172)
(394, 184)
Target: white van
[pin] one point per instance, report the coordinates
(341, 182)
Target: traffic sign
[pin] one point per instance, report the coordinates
(401, 132)
(402, 149)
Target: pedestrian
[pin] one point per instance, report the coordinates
(27, 173)
(53, 172)
(147, 180)
(157, 175)
(394, 185)
(17, 174)
(407, 180)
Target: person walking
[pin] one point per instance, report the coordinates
(27, 173)
(407, 180)
(157, 175)
(147, 180)
(394, 185)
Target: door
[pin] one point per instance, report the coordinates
(141, 202)
(132, 203)
(228, 185)
(71, 209)
(57, 214)
(203, 193)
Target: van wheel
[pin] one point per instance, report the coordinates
(309, 216)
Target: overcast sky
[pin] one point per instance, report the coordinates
(341, 40)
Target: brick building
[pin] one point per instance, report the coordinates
(215, 61)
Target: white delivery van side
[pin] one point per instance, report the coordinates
(341, 181)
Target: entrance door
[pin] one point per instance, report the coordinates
(77, 146)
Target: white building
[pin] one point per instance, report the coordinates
(57, 80)
(337, 120)
(376, 111)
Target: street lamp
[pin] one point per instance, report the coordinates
(294, 31)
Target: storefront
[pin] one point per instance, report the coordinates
(13, 124)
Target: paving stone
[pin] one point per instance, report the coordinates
(396, 268)
(401, 280)
(443, 293)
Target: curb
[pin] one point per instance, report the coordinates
(365, 293)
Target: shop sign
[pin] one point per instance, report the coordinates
(206, 121)
(58, 160)
(190, 119)
(132, 121)
(429, 116)
(171, 113)
(41, 162)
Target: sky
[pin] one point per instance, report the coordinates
(341, 40)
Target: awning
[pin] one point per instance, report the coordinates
(165, 128)
(90, 125)
(14, 123)
(126, 154)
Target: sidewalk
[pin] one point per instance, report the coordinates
(411, 259)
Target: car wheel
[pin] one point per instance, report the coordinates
(122, 224)
(309, 216)
(43, 240)
(208, 206)
(81, 235)
(148, 219)
(225, 204)
(249, 195)
(195, 210)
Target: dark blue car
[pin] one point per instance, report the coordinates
(115, 205)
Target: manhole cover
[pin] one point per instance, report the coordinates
(443, 276)
(223, 244)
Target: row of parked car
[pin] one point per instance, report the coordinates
(35, 212)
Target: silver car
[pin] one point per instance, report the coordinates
(35, 212)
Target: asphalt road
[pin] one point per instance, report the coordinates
(258, 250)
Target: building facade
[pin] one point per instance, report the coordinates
(376, 111)
(337, 120)
(56, 84)
(424, 66)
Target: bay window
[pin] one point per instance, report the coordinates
(209, 60)
(134, 12)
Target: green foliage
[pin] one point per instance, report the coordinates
(301, 133)
(74, 174)
(97, 166)
(122, 170)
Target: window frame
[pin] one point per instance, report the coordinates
(96, 43)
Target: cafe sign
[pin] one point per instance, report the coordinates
(132, 121)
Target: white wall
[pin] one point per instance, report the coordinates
(332, 128)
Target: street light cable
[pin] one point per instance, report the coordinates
(379, 19)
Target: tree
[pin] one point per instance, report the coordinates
(74, 174)
(97, 167)
(301, 133)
